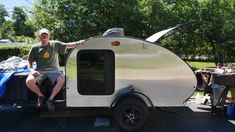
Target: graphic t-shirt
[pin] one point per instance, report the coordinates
(46, 57)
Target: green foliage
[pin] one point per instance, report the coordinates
(26, 39)
(20, 25)
(213, 34)
(4, 26)
(3, 13)
(70, 20)
(8, 51)
(217, 25)
(6, 30)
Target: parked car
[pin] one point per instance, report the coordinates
(5, 41)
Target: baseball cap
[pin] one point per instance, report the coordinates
(44, 30)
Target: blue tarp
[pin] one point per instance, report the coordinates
(6, 75)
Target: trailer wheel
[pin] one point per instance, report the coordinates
(130, 114)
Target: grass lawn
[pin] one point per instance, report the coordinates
(194, 64)
(199, 65)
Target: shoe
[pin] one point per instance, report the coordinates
(213, 110)
(40, 101)
(50, 105)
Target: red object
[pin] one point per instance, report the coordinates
(115, 43)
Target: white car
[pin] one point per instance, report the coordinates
(5, 41)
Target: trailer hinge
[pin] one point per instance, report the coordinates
(145, 46)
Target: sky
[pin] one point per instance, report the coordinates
(10, 4)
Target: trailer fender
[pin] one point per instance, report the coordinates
(131, 92)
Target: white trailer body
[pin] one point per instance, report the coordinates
(126, 63)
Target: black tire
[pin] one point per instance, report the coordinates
(130, 114)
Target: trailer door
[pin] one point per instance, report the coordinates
(95, 72)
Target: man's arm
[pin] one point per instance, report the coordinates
(208, 72)
(74, 44)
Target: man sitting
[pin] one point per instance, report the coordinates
(45, 54)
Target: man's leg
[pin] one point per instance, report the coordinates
(59, 85)
(233, 94)
(31, 84)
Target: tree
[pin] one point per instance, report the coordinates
(7, 30)
(3, 14)
(213, 34)
(217, 25)
(21, 23)
(163, 14)
(71, 19)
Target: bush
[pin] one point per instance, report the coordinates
(21, 51)
(9, 51)
(25, 39)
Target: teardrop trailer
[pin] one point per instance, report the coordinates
(129, 76)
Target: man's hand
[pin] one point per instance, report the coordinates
(80, 42)
(35, 73)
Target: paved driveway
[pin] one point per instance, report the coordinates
(195, 118)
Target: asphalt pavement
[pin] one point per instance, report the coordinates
(191, 118)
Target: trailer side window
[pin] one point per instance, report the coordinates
(95, 72)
